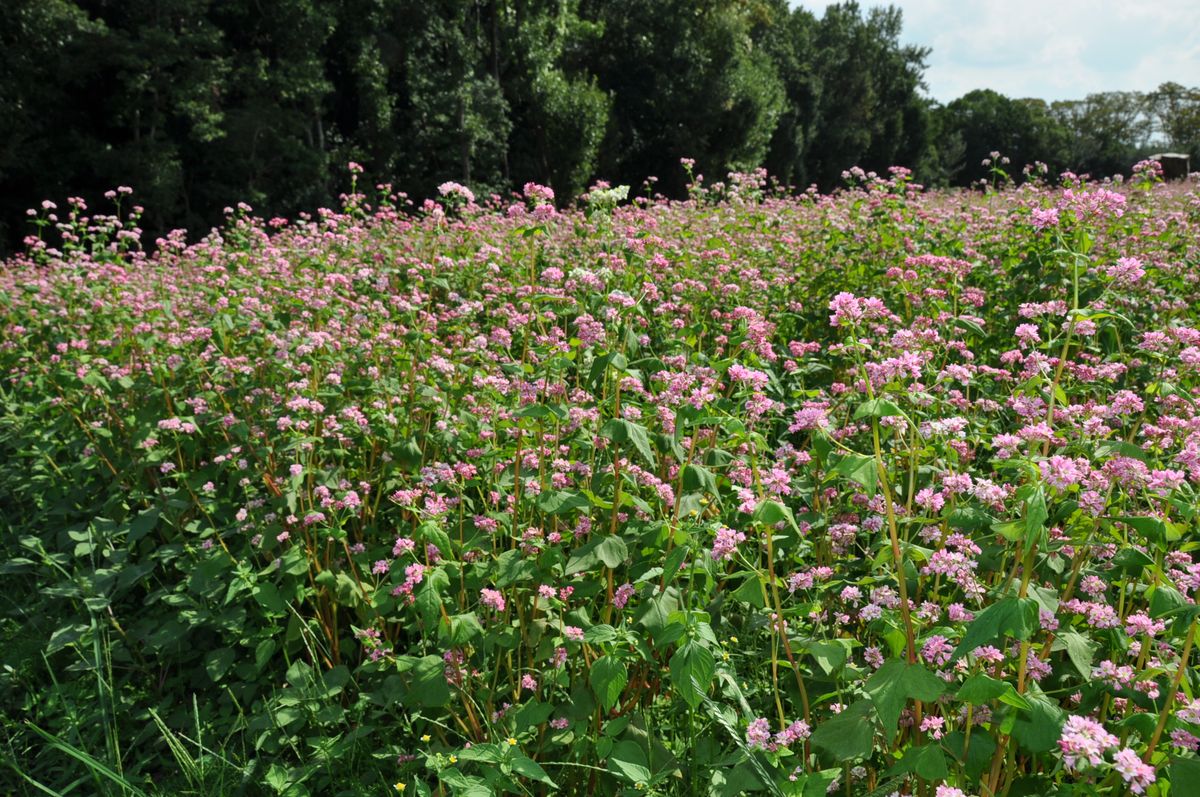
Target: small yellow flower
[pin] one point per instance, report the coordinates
(400, 787)
(512, 741)
(453, 759)
(733, 639)
(426, 738)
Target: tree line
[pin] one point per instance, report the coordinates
(201, 104)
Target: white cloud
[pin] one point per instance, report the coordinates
(1053, 49)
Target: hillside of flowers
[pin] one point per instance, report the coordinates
(885, 492)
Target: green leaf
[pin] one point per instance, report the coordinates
(926, 761)
(600, 634)
(1184, 775)
(465, 785)
(697, 478)
(465, 629)
(1080, 650)
(608, 677)
(1016, 617)
(1132, 561)
(628, 760)
(559, 502)
(770, 513)
(1038, 730)
(877, 408)
(978, 753)
(980, 689)
(859, 468)
(894, 684)
(620, 430)
(512, 566)
(267, 595)
(831, 656)
(692, 669)
(1164, 600)
(1035, 515)
(487, 752)
(847, 735)
(429, 682)
(612, 551)
(217, 662)
(527, 767)
(750, 591)
(609, 549)
(1120, 448)
(1013, 530)
(1152, 529)
(142, 525)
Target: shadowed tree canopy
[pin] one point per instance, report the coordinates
(200, 104)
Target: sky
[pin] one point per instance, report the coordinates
(1051, 49)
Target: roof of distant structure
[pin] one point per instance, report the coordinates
(1170, 155)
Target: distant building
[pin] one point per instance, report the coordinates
(1176, 165)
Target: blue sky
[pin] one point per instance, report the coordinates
(1052, 49)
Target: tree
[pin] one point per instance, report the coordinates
(984, 121)
(686, 81)
(1176, 112)
(869, 111)
(1107, 131)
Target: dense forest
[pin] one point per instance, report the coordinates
(200, 104)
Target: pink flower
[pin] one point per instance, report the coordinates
(1027, 334)
(758, 733)
(1084, 741)
(726, 543)
(1126, 271)
(622, 595)
(492, 599)
(1137, 774)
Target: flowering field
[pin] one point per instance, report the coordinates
(874, 493)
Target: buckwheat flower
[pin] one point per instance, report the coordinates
(930, 499)
(758, 733)
(529, 682)
(1062, 472)
(958, 613)
(726, 543)
(1084, 741)
(1041, 218)
(1135, 773)
(1163, 482)
(1027, 334)
(1126, 271)
(949, 791)
(846, 309)
(933, 726)
(380, 567)
(1140, 623)
(988, 653)
(1190, 712)
(622, 594)
(573, 633)
(559, 723)
(492, 599)
(870, 612)
(936, 650)
(796, 732)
